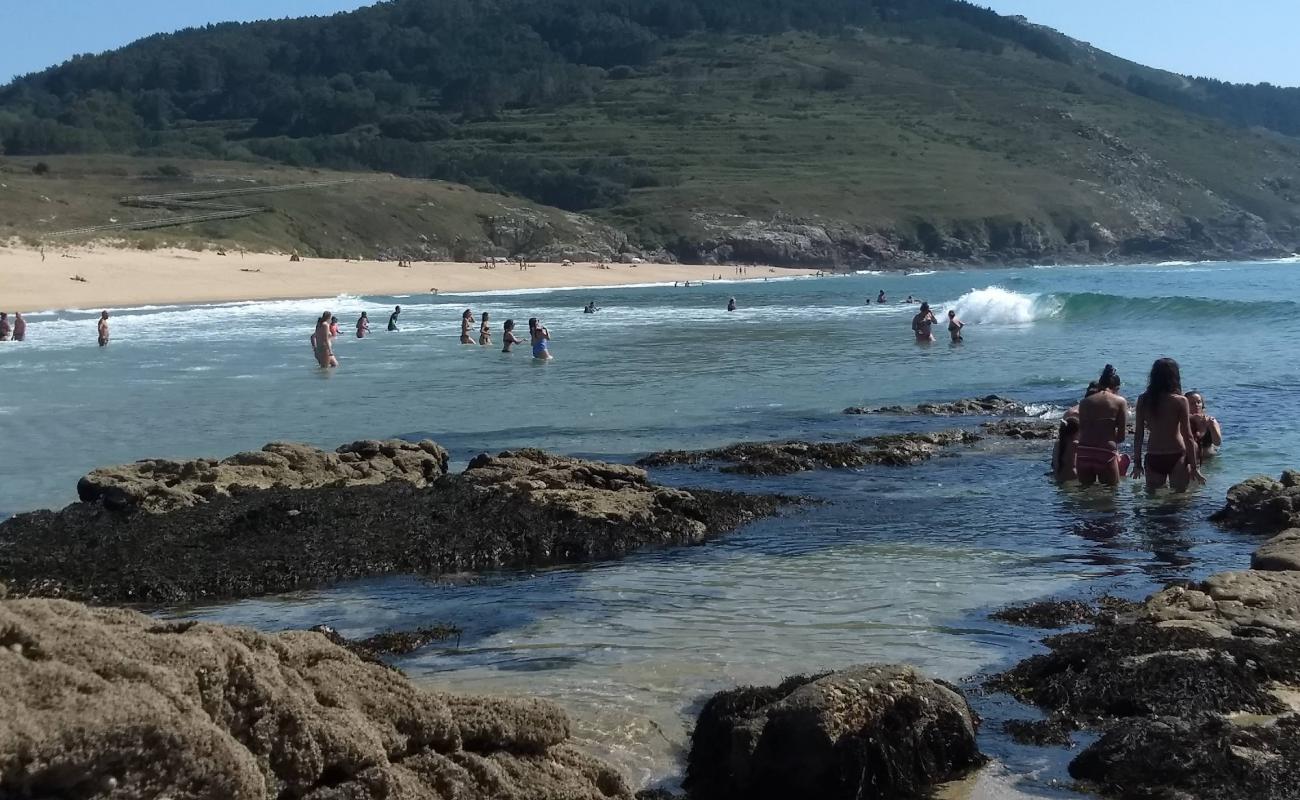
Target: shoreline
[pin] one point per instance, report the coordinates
(121, 278)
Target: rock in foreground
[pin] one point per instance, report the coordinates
(521, 508)
(1263, 504)
(113, 705)
(159, 485)
(867, 732)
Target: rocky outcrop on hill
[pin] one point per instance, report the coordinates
(785, 458)
(109, 704)
(519, 508)
(1263, 504)
(162, 485)
(988, 406)
(864, 733)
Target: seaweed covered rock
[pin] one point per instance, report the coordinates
(866, 732)
(1244, 603)
(1032, 429)
(109, 703)
(158, 485)
(1203, 757)
(521, 508)
(786, 458)
(1048, 614)
(988, 406)
(1263, 504)
(1279, 554)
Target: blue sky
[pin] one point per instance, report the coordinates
(1247, 41)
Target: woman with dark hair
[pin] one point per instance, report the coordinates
(1206, 429)
(540, 339)
(921, 323)
(1163, 410)
(1103, 424)
(466, 325)
(485, 331)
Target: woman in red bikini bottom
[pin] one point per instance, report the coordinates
(1103, 424)
(1162, 412)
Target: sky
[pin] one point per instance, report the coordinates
(1248, 41)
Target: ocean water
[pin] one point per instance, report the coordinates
(897, 565)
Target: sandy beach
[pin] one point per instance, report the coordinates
(116, 277)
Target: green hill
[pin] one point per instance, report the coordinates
(853, 132)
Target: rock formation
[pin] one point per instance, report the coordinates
(988, 406)
(109, 704)
(522, 508)
(1263, 504)
(863, 733)
(785, 458)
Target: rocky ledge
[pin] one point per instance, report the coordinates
(107, 704)
(866, 733)
(517, 509)
(989, 406)
(1263, 504)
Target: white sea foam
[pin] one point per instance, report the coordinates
(994, 305)
(922, 273)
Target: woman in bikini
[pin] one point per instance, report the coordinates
(954, 326)
(508, 336)
(466, 325)
(485, 331)
(1206, 429)
(320, 343)
(921, 324)
(1103, 424)
(541, 340)
(363, 325)
(1163, 411)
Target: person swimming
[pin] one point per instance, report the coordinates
(910, 300)
(103, 329)
(590, 308)
(392, 319)
(880, 298)
(485, 332)
(1163, 411)
(731, 304)
(540, 340)
(954, 326)
(363, 325)
(508, 336)
(466, 326)
(1206, 429)
(921, 324)
(1103, 424)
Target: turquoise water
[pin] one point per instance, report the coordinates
(900, 565)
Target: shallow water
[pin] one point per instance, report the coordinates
(898, 565)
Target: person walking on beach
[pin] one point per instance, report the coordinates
(541, 340)
(4, 327)
(1163, 411)
(485, 332)
(20, 327)
(954, 326)
(1206, 429)
(1103, 424)
(392, 320)
(508, 336)
(466, 325)
(320, 342)
(103, 329)
(921, 324)
(363, 325)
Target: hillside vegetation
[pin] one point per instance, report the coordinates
(816, 131)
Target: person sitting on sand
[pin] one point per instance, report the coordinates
(954, 326)
(508, 336)
(320, 342)
(363, 325)
(921, 324)
(20, 327)
(392, 319)
(880, 298)
(4, 327)
(540, 339)
(731, 304)
(334, 326)
(466, 326)
(1163, 411)
(1103, 424)
(485, 331)
(103, 329)
(1206, 429)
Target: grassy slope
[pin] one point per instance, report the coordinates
(379, 214)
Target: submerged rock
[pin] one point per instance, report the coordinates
(786, 458)
(1054, 731)
(389, 643)
(520, 508)
(1048, 614)
(109, 703)
(866, 732)
(990, 405)
(1263, 504)
(1022, 428)
(158, 485)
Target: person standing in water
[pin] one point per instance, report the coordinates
(320, 342)
(1164, 412)
(392, 320)
(103, 329)
(880, 298)
(1206, 429)
(1103, 424)
(731, 304)
(508, 336)
(4, 327)
(363, 325)
(466, 326)
(540, 339)
(921, 324)
(334, 326)
(485, 331)
(20, 327)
